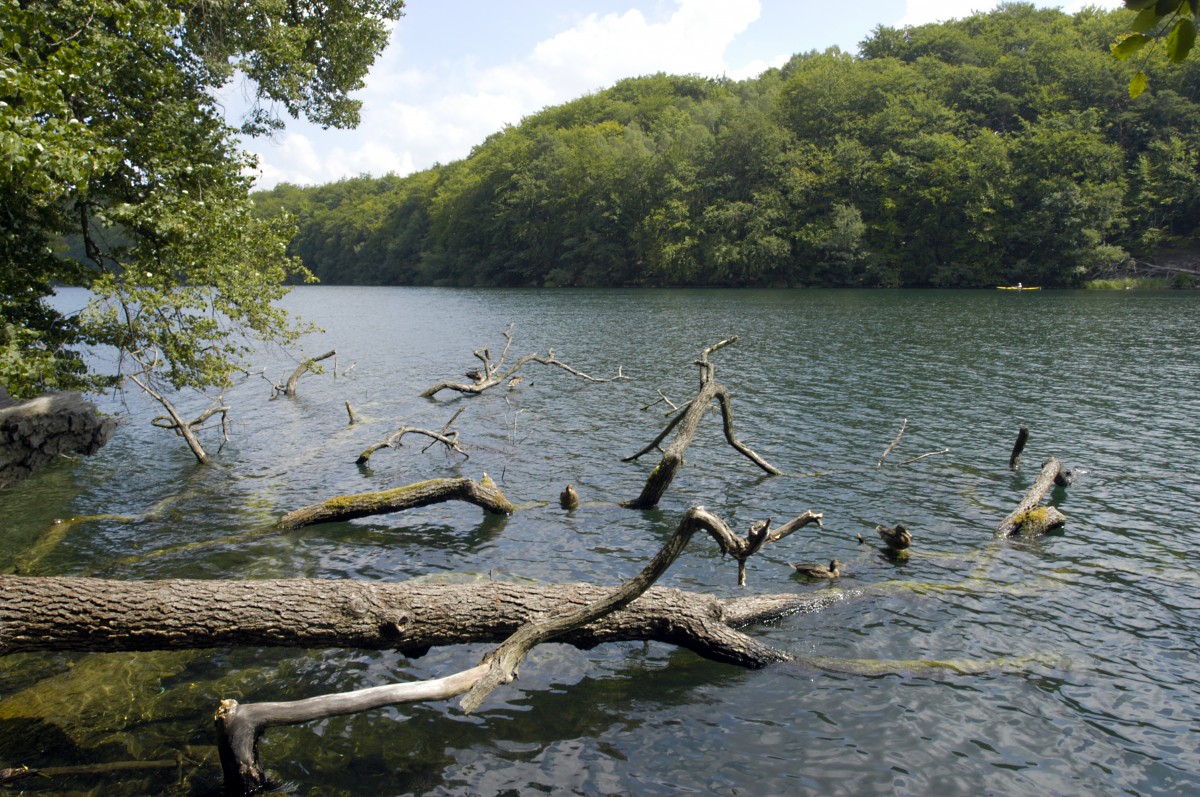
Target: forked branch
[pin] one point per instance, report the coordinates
(685, 425)
(492, 374)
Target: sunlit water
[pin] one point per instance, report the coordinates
(1074, 656)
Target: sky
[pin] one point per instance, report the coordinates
(457, 71)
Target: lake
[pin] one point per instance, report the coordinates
(1065, 664)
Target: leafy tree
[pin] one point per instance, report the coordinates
(109, 131)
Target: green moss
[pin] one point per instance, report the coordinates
(1035, 518)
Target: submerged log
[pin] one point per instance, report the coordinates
(687, 422)
(483, 493)
(1029, 517)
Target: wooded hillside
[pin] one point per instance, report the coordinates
(1003, 147)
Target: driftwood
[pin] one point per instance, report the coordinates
(493, 374)
(1029, 517)
(445, 437)
(687, 422)
(483, 493)
(290, 388)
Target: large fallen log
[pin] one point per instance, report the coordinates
(483, 493)
(1031, 518)
(239, 726)
(102, 615)
(687, 422)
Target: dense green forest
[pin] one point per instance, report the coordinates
(999, 148)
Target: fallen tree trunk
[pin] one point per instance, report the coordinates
(686, 424)
(102, 615)
(1029, 517)
(239, 726)
(483, 493)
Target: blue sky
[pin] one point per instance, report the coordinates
(457, 71)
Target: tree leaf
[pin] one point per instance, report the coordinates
(1165, 7)
(1145, 21)
(1137, 85)
(1138, 5)
(1180, 39)
(1130, 45)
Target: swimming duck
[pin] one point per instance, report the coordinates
(568, 497)
(897, 538)
(819, 571)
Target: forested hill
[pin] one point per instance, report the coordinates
(1003, 147)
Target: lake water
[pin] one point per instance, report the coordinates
(1060, 665)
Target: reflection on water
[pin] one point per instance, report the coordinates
(1086, 639)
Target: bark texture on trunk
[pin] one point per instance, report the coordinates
(88, 614)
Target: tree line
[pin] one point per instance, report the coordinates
(998, 148)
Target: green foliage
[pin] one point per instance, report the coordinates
(995, 149)
(109, 132)
(1170, 22)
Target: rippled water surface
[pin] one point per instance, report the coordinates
(1060, 665)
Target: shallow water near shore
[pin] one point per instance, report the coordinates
(1059, 665)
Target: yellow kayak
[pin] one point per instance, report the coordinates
(1018, 287)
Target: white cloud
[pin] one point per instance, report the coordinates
(450, 107)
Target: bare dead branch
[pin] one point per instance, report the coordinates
(685, 426)
(450, 441)
(290, 388)
(761, 533)
(492, 375)
(895, 442)
(923, 456)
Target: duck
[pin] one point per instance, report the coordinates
(897, 538)
(819, 571)
(569, 498)
(475, 375)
